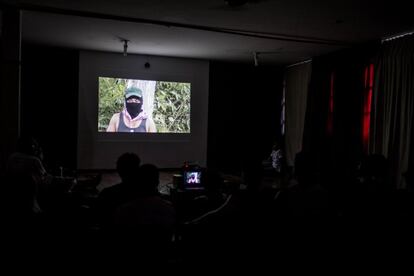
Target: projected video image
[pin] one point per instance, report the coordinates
(132, 105)
(193, 177)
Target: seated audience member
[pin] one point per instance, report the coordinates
(147, 212)
(252, 173)
(26, 178)
(276, 165)
(373, 172)
(409, 180)
(372, 197)
(127, 165)
(277, 158)
(307, 198)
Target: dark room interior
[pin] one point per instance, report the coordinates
(266, 127)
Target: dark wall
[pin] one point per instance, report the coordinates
(244, 108)
(49, 100)
(244, 113)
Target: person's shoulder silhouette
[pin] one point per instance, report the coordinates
(128, 166)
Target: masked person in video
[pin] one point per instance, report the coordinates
(132, 118)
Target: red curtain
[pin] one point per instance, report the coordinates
(366, 114)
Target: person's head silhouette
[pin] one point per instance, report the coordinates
(28, 145)
(128, 165)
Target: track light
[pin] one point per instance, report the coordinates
(256, 59)
(125, 46)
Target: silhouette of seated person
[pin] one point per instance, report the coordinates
(307, 198)
(26, 179)
(148, 217)
(409, 180)
(373, 172)
(127, 166)
(252, 173)
(275, 161)
(372, 196)
(406, 197)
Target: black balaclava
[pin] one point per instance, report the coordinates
(133, 108)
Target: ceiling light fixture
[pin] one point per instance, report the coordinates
(256, 59)
(125, 41)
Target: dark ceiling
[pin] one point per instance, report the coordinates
(279, 31)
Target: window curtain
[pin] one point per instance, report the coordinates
(393, 105)
(297, 80)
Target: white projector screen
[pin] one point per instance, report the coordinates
(157, 111)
